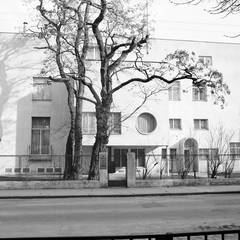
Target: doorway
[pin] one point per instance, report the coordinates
(117, 163)
(117, 167)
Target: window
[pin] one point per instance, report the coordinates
(115, 123)
(208, 154)
(206, 60)
(235, 148)
(175, 123)
(93, 53)
(174, 92)
(203, 153)
(164, 153)
(199, 93)
(201, 124)
(41, 89)
(89, 124)
(146, 123)
(140, 156)
(40, 143)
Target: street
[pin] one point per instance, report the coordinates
(106, 216)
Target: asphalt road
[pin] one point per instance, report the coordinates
(105, 216)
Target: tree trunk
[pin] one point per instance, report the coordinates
(69, 152)
(77, 166)
(102, 137)
(68, 171)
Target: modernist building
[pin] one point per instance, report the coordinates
(34, 116)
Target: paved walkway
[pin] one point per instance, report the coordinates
(119, 192)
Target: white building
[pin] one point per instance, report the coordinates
(34, 116)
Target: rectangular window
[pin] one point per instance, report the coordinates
(206, 60)
(203, 153)
(201, 124)
(208, 153)
(174, 92)
(40, 143)
(41, 89)
(175, 123)
(93, 53)
(199, 93)
(164, 153)
(89, 123)
(140, 156)
(115, 123)
(235, 148)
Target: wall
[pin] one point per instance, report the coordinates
(19, 63)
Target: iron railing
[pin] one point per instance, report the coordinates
(192, 165)
(205, 235)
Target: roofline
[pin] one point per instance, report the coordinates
(162, 39)
(191, 40)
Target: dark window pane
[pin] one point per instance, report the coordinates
(124, 157)
(45, 141)
(35, 146)
(116, 155)
(141, 157)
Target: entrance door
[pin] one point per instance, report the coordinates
(190, 155)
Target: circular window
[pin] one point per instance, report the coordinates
(146, 123)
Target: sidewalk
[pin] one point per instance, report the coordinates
(119, 192)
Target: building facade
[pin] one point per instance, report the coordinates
(34, 114)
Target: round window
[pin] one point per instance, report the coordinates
(146, 123)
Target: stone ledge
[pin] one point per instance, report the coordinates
(186, 182)
(59, 184)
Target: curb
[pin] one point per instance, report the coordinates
(118, 195)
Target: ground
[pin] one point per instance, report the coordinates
(113, 216)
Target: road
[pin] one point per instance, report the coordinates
(104, 216)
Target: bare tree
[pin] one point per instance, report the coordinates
(219, 156)
(117, 30)
(217, 6)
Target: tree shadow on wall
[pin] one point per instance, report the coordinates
(10, 44)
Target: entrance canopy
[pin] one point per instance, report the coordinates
(189, 144)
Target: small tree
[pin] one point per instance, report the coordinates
(219, 156)
(151, 163)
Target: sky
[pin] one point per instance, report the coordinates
(170, 21)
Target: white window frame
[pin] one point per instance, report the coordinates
(199, 93)
(40, 135)
(174, 91)
(143, 125)
(91, 118)
(206, 60)
(235, 148)
(200, 125)
(175, 123)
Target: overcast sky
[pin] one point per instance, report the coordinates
(170, 21)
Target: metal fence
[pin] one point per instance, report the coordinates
(189, 166)
(152, 166)
(205, 235)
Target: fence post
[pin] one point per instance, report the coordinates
(103, 169)
(131, 170)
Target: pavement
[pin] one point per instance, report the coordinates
(118, 192)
